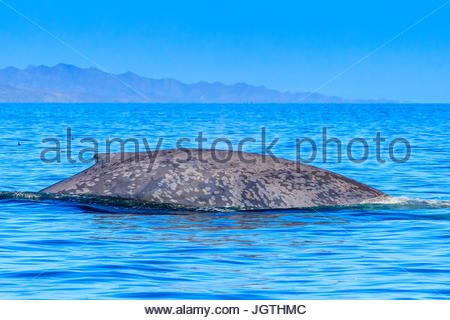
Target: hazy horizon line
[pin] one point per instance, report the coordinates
(308, 94)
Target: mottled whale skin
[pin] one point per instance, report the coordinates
(199, 178)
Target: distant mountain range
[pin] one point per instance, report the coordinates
(68, 83)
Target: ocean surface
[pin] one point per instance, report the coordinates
(68, 249)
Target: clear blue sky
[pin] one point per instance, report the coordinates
(286, 45)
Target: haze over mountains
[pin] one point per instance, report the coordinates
(68, 83)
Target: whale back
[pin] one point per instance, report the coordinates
(201, 178)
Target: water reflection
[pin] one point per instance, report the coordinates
(72, 249)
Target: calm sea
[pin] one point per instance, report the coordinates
(53, 249)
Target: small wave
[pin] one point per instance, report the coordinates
(109, 203)
(19, 195)
(103, 203)
(403, 202)
(94, 201)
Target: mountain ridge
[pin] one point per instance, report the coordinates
(69, 83)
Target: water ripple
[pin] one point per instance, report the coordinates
(101, 248)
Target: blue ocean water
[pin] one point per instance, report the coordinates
(52, 249)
